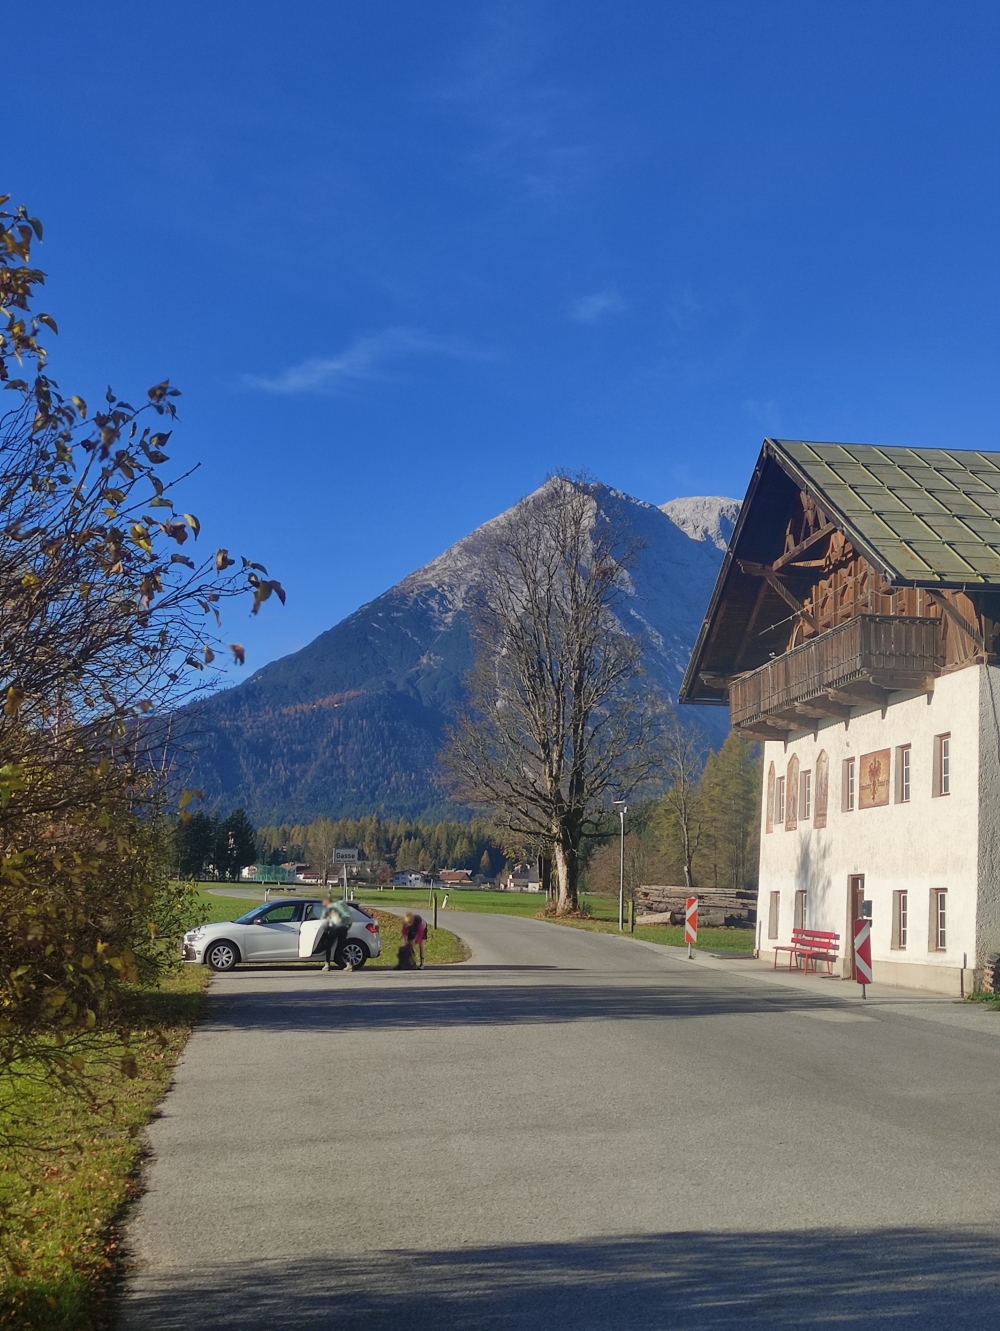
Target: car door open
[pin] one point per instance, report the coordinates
(311, 929)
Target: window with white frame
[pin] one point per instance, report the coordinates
(899, 913)
(800, 909)
(848, 785)
(939, 919)
(806, 796)
(903, 769)
(779, 800)
(942, 764)
(772, 914)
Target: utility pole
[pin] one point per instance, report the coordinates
(622, 808)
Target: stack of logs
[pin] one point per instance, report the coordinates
(716, 906)
(990, 983)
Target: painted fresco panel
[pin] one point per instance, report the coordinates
(792, 794)
(821, 794)
(873, 779)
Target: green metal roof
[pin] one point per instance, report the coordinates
(928, 516)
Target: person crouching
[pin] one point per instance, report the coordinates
(414, 937)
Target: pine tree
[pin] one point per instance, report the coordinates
(235, 845)
(194, 843)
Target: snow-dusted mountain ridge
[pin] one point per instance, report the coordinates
(352, 723)
(704, 517)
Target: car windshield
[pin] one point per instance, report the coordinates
(250, 916)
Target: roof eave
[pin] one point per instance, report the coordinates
(690, 680)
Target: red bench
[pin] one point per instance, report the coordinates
(811, 945)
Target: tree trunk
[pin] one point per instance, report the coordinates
(567, 876)
(686, 841)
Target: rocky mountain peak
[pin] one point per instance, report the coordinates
(704, 517)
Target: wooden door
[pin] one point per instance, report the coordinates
(855, 900)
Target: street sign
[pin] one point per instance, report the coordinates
(346, 856)
(863, 953)
(691, 923)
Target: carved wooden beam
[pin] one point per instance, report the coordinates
(790, 556)
(823, 707)
(773, 727)
(861, 694)
(959, 619)
(767, 572)
(757, 732)
(893, 681)
(749, 626)
(713, 680)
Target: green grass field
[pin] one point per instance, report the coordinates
(493, 903)
(672, 935)
(66, 1188)
(603, 919)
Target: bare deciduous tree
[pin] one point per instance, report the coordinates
(684, 749)
(321, 842)
(555, 721)
(604, 870)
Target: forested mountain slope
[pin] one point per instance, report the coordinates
(352, 723)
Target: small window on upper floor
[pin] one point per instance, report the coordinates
(848, 785)
(805, 796)
(779, 800)
(903, 774)
(942, 764)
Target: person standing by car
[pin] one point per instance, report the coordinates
(338, 919)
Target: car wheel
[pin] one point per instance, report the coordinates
(221, 956)
(353, 953)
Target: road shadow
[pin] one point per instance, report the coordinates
(913, 1278)
(341, 1006)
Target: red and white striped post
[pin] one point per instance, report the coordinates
(863, 954)
(691, 923)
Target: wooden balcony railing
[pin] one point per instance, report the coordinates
(849, 665)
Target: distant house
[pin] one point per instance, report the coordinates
(522, 878)
(455, 877)
(408, 878)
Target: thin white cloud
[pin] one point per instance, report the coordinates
(367, 358)
(590, 309)
(526, 128)
(766, 414)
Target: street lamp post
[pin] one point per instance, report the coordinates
(622, 808)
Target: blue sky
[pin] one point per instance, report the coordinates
(404, 259)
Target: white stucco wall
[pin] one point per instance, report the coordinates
(988, 912)
(930, 842)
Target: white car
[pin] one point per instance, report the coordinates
(279, 931)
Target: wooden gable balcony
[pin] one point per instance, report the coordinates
(855, 664)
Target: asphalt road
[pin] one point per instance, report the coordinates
(572, 1130)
